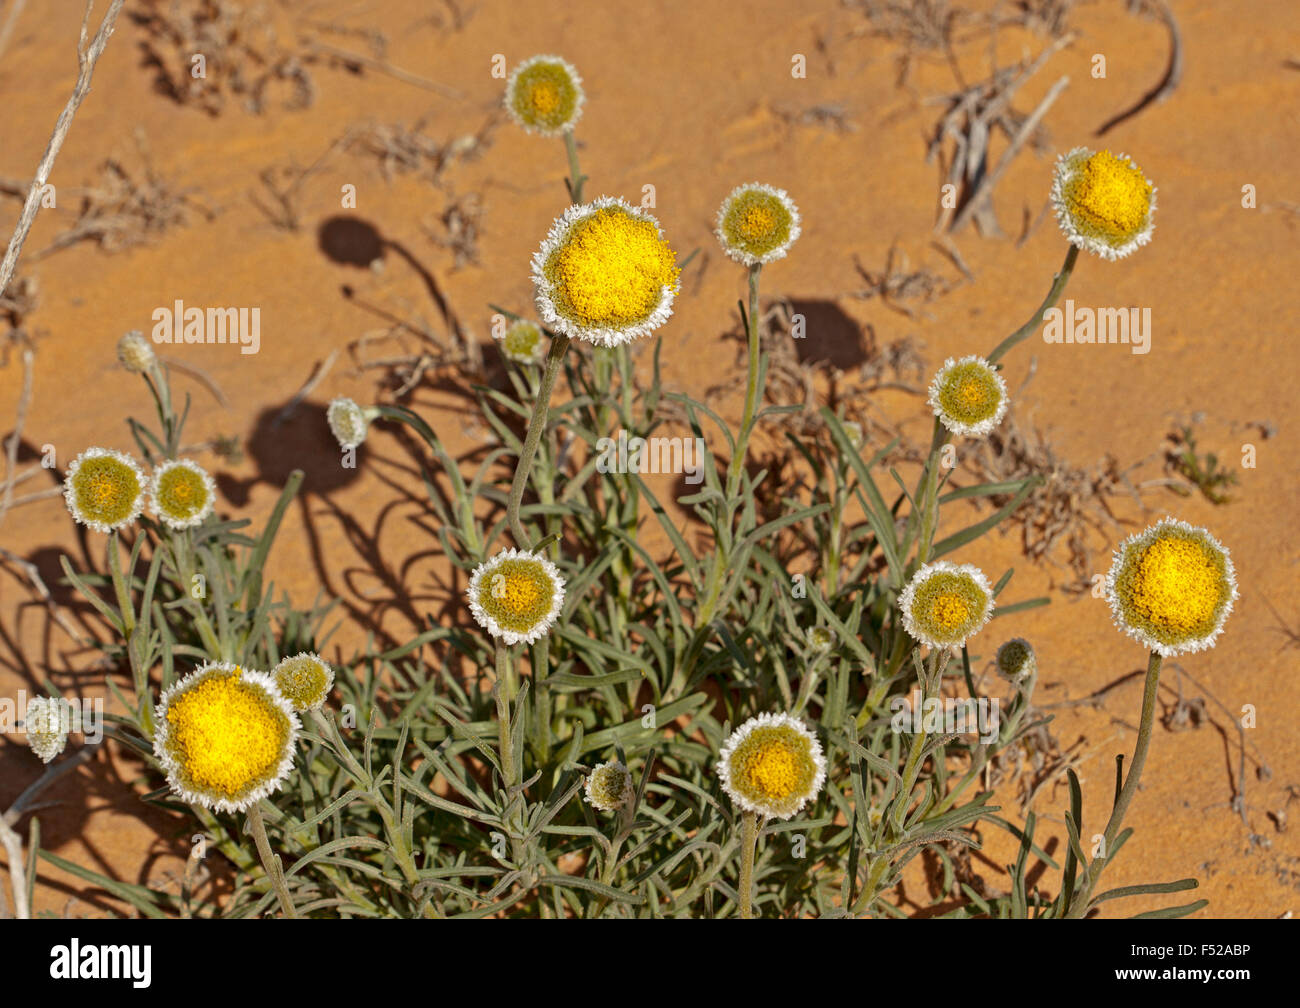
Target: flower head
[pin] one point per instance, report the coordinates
(945, 603)
(516, 595)
(104, 489)
(225, 736)
(1171, 587)
(757, 224)
(772, 765)
(1016, 660)
(969, 396)
(609, 787)
(304, 679)
(605, 273)
(47, 722)
(135, 353)
(181, 493)
(853, 431)
(522, 342)
(348, 422)
(1104, 204)
(544, 95)
(820, 638)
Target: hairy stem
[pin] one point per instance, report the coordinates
(1079, 905)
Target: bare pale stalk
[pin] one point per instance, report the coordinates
(87, 57)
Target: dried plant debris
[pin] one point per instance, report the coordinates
(129, 206)
(404, 150)
(1062, 513)
(833, 116)
(898, 283)
(922, 27)
(458, 228)
(208, 53)
(17, 302)
(1043, 17)
(972, 117)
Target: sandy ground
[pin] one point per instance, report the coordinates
(694, 98)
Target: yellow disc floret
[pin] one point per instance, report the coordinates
(225, 736)
(1171, 587)
(304, 679)
(969, 396)
(1109, 198)
(544, 95)
(773, 765)
(1104, 202)
(611, 270)
(183, 493)
(104, 489)
(945, 603)
(757, 224)
(516, 595)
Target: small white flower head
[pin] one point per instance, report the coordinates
(1172, 587)
(757, 224)
(305, 680)
(772, 765)
(1104, 204)
(1016, 660)
(47, 722)
(348, 422)
(181, 493)
(853, 431)
(544, 96)
(104, 489)
(609, 787)
(516, 595)
(946, 603)
(820, 638)
(523, 343)
(969, 396)
(135, 353)
(605, 273)
(225, 737)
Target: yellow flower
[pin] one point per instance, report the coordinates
(104, 489)
(757, 224)
(304, 679)
(772, 765)
(544, 95)
(1104, 204)
(516, 595)
(609, 787)
(182, 494)
(1171, 587)
(945, 603)
(522, 342)
(605, 274)
(225, 737)
(969, 396)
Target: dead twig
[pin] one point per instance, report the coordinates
(1173, 69)
(88, 54)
